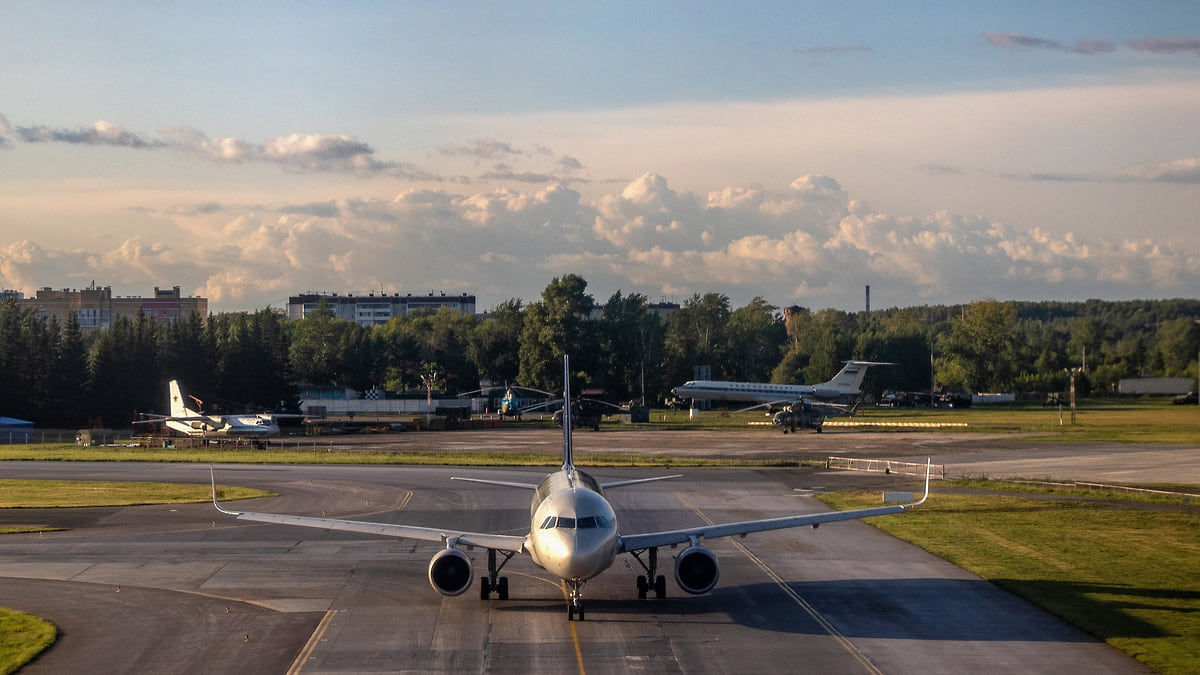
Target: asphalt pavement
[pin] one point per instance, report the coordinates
(186, 589)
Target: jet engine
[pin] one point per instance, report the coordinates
(450, 572)
(696, 570)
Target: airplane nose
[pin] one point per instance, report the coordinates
(582, 556)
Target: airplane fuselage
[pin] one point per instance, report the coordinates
(845, 384)
(573, 529)
(757, 392)
(226, 425)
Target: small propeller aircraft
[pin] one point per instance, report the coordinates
(573, 534)
(193, 422)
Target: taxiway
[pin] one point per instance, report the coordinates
(185, 589)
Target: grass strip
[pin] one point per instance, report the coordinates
(22, 637)
(1124, 571)
(347, 455)
(46, 494)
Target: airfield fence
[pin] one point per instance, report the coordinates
(1080, 485)
(885, 466)
(58, 436)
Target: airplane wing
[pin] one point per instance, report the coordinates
(637, 542)
(531, 486)
(172, 418)
(500, 542)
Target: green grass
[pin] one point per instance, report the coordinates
(1133, 420)
(22, 637)
(27, 529)
(323, 455)
(1126, 572)
(1154, 421)
(45, 494)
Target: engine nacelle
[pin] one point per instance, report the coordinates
(450, 572)
(696, 570)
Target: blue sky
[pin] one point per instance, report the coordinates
(940, 152)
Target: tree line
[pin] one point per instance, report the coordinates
(60, 376)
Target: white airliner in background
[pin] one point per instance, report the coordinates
(196, 423)
(573, 534)
(846, 383)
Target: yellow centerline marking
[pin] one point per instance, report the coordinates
(799, 599)
(313, 640)
(562, 584)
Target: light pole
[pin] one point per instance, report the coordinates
(1197, 321)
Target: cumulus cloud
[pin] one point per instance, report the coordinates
(295, 152)
(1181, 171)
(807, 242)
(99, 133)
(309, 153)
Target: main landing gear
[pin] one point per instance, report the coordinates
(652, 580)
(493, 581)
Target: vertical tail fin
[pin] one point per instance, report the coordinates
(848, 380)
(568, 453)
(178, 409)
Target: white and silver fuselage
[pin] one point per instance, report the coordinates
(573, 530)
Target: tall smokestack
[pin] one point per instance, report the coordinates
(868, 298)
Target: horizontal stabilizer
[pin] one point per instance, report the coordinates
(501, 483)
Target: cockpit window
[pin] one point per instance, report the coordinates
(548, 523)
(566, 523)
(587, 522)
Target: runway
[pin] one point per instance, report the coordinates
(185, 589)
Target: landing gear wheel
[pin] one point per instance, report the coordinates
(575, 600)
(485, 588)
(660, 587)
(575, 612)
(502, 588)
(642, 587)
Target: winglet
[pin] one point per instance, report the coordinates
(213, 475)
(928, 470)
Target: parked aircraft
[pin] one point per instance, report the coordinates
(845, 383)
(573, 534)
(191, 422)
(512, 404)
(804, 414)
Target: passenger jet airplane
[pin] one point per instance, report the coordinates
(195, 423)
(845, 383)
(573, 534)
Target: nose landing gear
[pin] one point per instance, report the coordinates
(575, 606)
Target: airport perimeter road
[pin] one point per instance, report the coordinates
(971, 454)
(145, 589)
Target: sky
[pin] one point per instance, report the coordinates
(939, 152)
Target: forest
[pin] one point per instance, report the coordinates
(59, 376)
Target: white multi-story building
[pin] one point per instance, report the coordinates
(372, 309)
